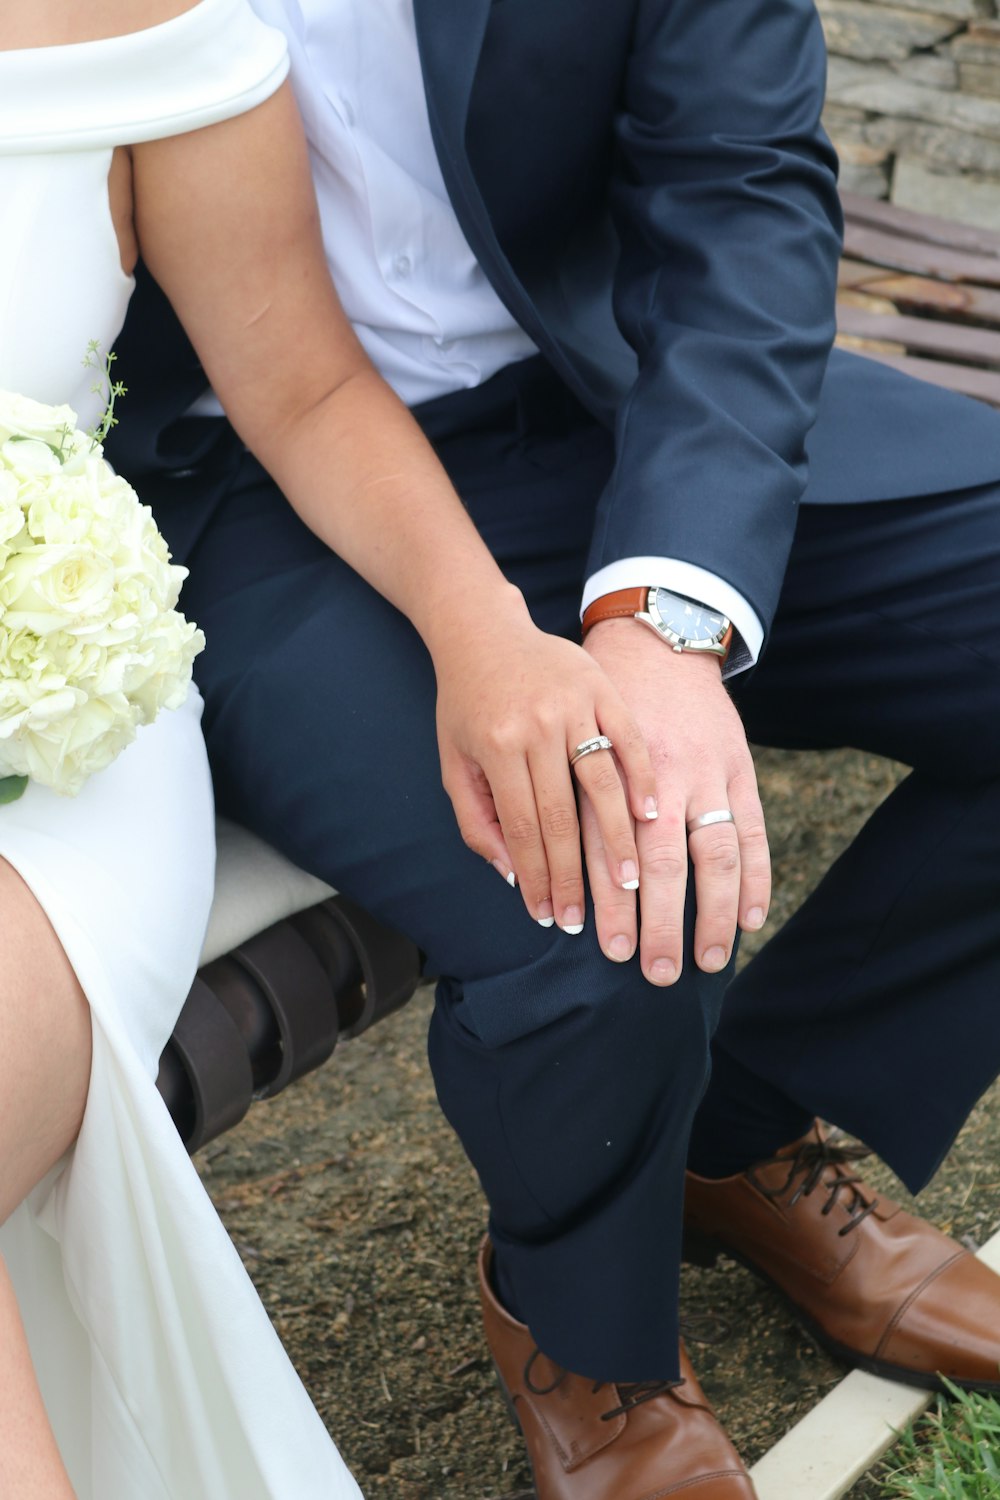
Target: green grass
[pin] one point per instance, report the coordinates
(952, 1454)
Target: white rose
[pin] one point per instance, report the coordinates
(55, 588)
(162, 677)
(86, 664)
(61, 512)
(80, 450)
(26, 418)
(27, 707)
(64, 754)
(29, 458)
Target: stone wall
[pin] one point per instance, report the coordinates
(913, 102)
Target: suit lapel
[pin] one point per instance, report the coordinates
(450, 37)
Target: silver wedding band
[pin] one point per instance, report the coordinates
(705, 820)
(588, 747)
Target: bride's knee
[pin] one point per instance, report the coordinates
(45, 1044)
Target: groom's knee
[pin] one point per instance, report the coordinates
(559, 1084)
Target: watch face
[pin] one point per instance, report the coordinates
(689, 621)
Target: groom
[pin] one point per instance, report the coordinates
(594, 246)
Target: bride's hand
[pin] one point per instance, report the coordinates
(513, 705)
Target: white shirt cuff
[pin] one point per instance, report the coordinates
(694, 583)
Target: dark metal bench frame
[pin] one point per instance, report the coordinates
(275, 1007)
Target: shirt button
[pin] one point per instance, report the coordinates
(401, 265)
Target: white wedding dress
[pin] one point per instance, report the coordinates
(162, 1375)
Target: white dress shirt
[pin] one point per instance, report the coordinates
(418, 299)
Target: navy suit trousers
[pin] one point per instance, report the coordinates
(573, 1084)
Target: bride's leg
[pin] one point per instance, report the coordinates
(30, 1466)
(45, 1043)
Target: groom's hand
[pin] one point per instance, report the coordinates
(702, 763)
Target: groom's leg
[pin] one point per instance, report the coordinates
(876, 1005)
(570, 1080)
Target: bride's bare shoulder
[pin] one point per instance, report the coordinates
(53, 23)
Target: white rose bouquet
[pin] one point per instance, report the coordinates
(91, 645)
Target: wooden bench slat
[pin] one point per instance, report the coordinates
(983, 384)
(929, 228)
(978, 346)
(921, 294)
(902, 254)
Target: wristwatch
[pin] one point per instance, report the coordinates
(685, 624)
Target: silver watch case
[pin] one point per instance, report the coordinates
(651, 616)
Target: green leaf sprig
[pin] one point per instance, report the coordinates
(105, 387)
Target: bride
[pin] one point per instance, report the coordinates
(135, 1360)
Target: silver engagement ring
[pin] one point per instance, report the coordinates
(588, 747)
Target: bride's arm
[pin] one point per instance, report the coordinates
(228, 225)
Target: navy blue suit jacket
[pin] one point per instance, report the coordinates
(647, 186)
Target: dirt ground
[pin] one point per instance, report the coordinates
(358, 1218)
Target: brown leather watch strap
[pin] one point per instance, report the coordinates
(621, 603)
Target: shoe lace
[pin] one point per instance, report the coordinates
(811, 1161)
(636, 1393)
(631, 1395)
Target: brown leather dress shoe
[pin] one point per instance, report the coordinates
(588, 1441)
(878, 1287)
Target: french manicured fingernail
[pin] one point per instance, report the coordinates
(755, 918)
(502, 870)
(713, 959)
(546, 916)
(620, 948)
(572, 921)
(662, 971)
(630, 875)
(652, 811)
